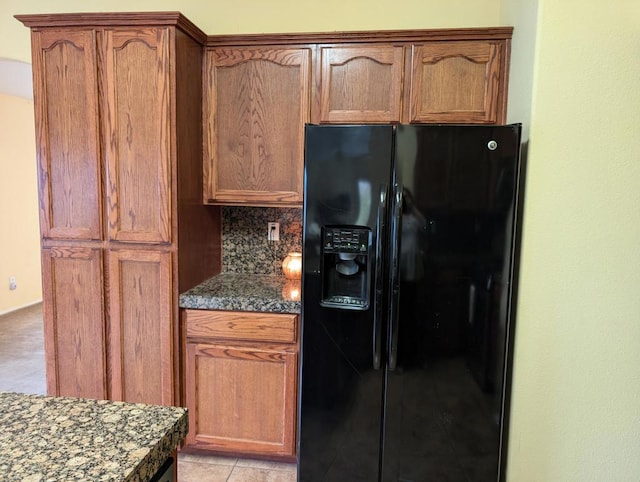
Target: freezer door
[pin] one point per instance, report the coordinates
(347, 171)
(444, 405)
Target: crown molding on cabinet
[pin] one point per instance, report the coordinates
(370, 36)
(114, 19)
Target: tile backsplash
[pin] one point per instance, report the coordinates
(245, 248)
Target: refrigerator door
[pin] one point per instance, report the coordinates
(347, 172)
(443, 416)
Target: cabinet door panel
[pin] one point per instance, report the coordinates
(138, 146)
(361, 84)
(74, 322)
(456, 82)
(65, 96)
(141, 328)
(256, 104)
(244, 400)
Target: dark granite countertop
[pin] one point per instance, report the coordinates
(72, 439)
(244, 292)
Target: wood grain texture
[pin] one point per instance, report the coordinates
(503, 86)
(267, 327)
(138, 79)
(361, 84)
(244, 399)
(137, 127)
(456, 82)
(74, 322)
(68, 145)
(356, 77)
(141, 330)
(198, 226)
(256, 104)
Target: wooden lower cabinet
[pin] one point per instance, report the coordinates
(109, 340)
(141, 326)
(74, 322)
(241, 394)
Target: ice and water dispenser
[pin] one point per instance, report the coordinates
(346, 267)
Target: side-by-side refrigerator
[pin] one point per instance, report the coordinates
(407, 298)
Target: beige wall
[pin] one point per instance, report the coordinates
(19, 242)
(576, 391)
(257, 16)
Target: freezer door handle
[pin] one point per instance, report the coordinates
(394, 278)
(379, 286)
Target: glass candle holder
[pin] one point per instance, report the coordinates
(292, 265)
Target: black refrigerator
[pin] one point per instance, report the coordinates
(409, 242)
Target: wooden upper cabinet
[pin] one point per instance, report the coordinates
(259, 93)
(141, 328)
(74, 322)
(458, 81)
(256, 102)
(361, 84)
(66, 108)
(136, 78)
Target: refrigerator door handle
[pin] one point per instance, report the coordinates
(394, 282)
(379, 286)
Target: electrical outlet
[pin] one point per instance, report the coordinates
(273, 231)
(12, 283)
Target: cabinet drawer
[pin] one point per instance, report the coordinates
(237, 325)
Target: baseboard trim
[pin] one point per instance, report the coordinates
(18, 308)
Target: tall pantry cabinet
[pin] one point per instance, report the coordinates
(118, 132)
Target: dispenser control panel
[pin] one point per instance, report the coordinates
(346, 267)
(346, 240)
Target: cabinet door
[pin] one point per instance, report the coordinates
(74, 322)
(137, 114)
(141, 328)
(361, 84)
(456, 82)
(242, 398)
(66, 101)
(256, 103)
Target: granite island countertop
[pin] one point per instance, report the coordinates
(243, 292)
(72, 439)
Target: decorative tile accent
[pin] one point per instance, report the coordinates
(245, 248)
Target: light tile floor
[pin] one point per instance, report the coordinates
(22, 369)
(195, 468)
